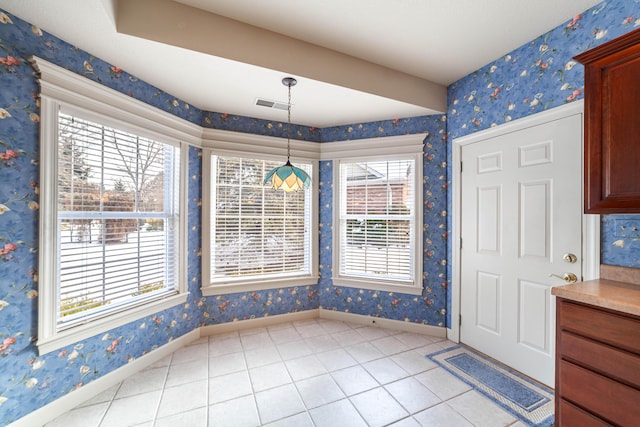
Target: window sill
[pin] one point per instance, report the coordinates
(97, 326)
(378, 285)
(257, 285)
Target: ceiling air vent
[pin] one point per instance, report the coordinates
(271, 104)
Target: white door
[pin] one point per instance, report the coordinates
(521, 218)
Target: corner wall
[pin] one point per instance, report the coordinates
(29, 381)
(430, 307)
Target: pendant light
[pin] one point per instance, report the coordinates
(288, 177)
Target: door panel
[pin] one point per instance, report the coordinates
(491, 162)
(534, 316)
(534, 218)
(535, 154)
(521, 211)
(488, 308)
(489, 219)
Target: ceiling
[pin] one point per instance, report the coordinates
(355, 60)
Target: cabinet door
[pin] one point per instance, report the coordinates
(612, 125)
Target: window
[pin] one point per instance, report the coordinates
(117, 219)
(258, 237)
(377, 226)
(112, 222)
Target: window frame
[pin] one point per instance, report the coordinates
(62, 89)
(385, 148)
(260, 148)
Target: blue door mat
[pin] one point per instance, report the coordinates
(529, 401)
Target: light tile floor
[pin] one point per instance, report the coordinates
(310, 373)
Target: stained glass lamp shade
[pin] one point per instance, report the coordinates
(288, 177)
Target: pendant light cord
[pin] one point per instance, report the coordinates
(289, 124)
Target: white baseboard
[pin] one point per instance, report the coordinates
(69, 401)
(324, 314)
(258, 322)
(397, 325)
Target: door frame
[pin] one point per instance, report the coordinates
(590, 223)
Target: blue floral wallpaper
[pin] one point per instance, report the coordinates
(225, 121)
(541, 75)
(621, 240)
(430, 307)
(29, 381)
(532, 78)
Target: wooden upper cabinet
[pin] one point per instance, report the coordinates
(612, 126)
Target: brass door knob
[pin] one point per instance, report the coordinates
(570, 258)
(567, 277)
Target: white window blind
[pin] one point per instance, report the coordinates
(117, 220)
(256, 232)
(377, 219)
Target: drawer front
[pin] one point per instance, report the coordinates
(572, 416)
(617, 330)
(604, 397)
(609, 361)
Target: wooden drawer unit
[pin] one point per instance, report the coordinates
(615, 363)
(609, 327)
(576, 417)
(594, 393)
(597, 366)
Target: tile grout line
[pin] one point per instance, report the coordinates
(458, 412)
(293, 382)
(110, 404)
(164, 385)
(207, 392)
(290, 376)
(253, 391)
(380, 385)
(346, 396)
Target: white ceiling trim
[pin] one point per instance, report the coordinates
(382, 146)
(71, 88)
(228, 142)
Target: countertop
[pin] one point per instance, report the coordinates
(605, 293)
